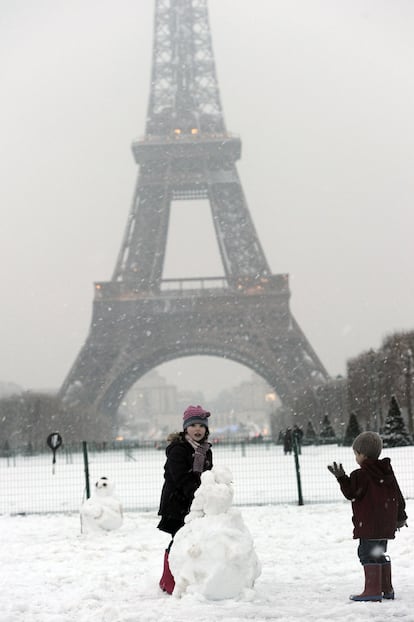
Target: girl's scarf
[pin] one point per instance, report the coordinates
(200, 450)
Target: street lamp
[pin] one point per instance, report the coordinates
(374, 394)
(408, 381)
(270, 397)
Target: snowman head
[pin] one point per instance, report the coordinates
(215, 495)
(223, 475)
(104, 487)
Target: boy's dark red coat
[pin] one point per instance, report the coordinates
(377, 502)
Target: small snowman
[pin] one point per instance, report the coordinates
(102, 511)
(213, 553)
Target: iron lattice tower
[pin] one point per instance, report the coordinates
(141, 320)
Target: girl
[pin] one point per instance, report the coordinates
(188, 455)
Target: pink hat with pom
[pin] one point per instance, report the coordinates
(195, 414)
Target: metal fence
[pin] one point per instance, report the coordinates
(262, 474)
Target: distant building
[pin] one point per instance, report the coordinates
(152, 409)
(7, 389)
(149, 409)
(245, 408)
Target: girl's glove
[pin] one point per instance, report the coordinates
(336, 470)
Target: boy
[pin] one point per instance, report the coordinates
(378, 509)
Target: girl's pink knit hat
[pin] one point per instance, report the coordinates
(195, 414)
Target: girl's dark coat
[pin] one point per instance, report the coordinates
(180, 483)
(377, 503)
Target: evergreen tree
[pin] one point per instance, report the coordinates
(395, 432)
(310, 434)
(352, 430)
(327, 433)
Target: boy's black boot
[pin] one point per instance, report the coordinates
(387, 589)
(373, 584)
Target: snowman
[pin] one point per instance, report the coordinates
(213, 553)
(102, 511)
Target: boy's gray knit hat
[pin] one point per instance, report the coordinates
(369, 444)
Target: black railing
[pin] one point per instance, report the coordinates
(262, 474)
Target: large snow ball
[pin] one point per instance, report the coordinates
(213, 554)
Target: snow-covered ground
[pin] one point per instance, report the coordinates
(50, 572)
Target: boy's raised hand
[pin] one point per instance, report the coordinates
(336, 469)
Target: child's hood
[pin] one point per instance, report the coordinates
(173, 439)
(380, 470)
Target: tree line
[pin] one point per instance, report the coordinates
(376, 382)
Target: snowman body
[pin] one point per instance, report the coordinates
(102, 511)
(213, 553)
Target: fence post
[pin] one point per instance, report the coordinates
(86, 467)
(297, 466)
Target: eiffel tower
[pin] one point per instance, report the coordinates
(141, 320)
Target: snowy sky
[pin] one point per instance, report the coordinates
(321, 93)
